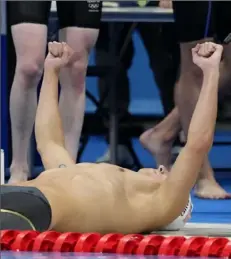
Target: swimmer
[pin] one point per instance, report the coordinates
(106, 198)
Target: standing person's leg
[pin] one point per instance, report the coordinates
(205, 184)
(164, 58)
(163, 52)
(103, 58)
(79, 27)
(122, 83)
(29, 31)
(193, 26)
(223, 28)
(159, 140)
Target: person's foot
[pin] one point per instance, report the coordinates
(18, 175)
(210, 189)
(158, 145)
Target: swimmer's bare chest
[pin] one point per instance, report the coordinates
(104, 179)
(90, 172)
(103, 196)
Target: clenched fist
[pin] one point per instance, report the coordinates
(207, 55)
(59, 55)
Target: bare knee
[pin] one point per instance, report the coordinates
(29, 69)
(75, 74)
(30, 45)
(81, 40)
(78, 74)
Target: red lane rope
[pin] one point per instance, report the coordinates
(51, 241)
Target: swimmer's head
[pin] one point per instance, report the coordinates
(159, 174)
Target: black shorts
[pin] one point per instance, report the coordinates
(24, 208)
(196, 20)
(70, 13)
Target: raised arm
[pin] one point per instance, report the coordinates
(48, 124)
(175, 191)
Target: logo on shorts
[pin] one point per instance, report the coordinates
(93, 6)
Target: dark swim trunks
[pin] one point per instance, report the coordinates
(24, 208)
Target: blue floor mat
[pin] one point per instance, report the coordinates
(212, 211)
